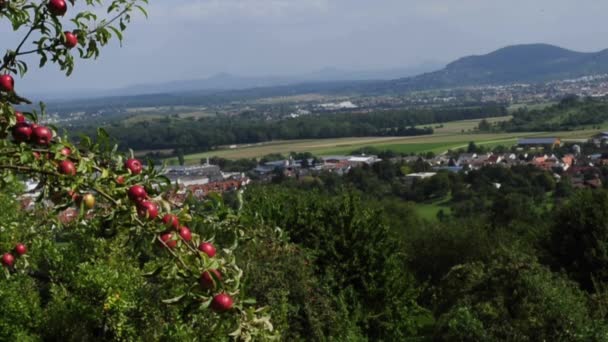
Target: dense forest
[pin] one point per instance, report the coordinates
(522, 262)
(569, 114)
(206, 133)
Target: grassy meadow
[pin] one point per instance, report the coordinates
(450, 136)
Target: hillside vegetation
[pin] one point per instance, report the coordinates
(569, 114)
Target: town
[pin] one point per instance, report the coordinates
(581, 162)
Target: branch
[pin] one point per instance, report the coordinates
(108, 23)
(46, 48)
(106, 196)
(172, 253)
(11, 60)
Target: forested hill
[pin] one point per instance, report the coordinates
(569, 114)
(513, 64)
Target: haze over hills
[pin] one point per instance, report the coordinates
(531, 63)
(225, 81)
(527, 63)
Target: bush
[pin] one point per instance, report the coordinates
(512, 298)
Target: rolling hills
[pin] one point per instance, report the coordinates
(529, 63)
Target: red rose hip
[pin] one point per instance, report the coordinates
(20, 249)
(207, 281)
(19, 117)
(66, 167)
(207, 248)
(148, 210)
(222, 303)
(134, 166)
(167, 238)
(22, 132)
(42, 135)
(171, 221)
(71, 40)
(137, 193)
(185, 234)
(8, 260)
(7, 83)
(57, 7)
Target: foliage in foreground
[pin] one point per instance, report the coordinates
(102, 264)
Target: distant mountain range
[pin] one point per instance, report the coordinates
(225, 81)
(530, 63)
(518, 63)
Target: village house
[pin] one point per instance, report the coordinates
(411, 178)
(600, 139)
(536, 143)
(201, 180)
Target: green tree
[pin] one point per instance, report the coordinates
(579, 237)
(512, 298)
(484, 126)
(357, 256)
(180, 156)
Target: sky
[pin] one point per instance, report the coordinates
(190, 39)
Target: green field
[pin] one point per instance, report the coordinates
(429, 211)
(449, 137)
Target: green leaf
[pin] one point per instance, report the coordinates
(153, 273)
(174, 300)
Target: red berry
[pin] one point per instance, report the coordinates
(137, 193)
(42, 135)
(167, 239)
(71, 40)
(37, 155)
(185, 233)
(221, 303)
(134, 166)
(207, 248)
(66, 151)
(20, 249)
(8, 259)
(120, 180)
(171, 220)
(58, 7)
(20, 117)
(207, 280)
(148, 210)
(22, 132)
(74, 196)
(66, 167)
(7, 83)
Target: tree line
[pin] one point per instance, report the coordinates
(206, 133)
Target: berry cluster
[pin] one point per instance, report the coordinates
(175, 233)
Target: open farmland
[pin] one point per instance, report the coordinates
(450, 136)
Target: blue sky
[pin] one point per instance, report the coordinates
(188, 39)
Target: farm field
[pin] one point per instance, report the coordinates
(430, 143)
(448, 137)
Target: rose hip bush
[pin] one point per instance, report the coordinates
(102, 253)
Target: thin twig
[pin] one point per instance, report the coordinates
(172, 253)
(106, 196)
(11, 60)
